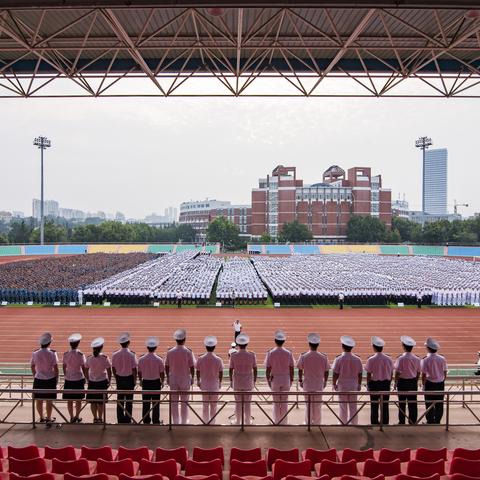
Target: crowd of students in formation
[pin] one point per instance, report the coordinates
(180, 369)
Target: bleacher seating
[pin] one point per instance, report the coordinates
(72, 249)
(463, 251)
(278, 249)
(253, 464)
(306, 249)
(427, 250)
(39, 249)
(394, 250)
(10, 250)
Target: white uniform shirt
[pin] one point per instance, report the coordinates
(97, 367)
(348, 367)
(243, 363)
(151, 366)
(180, 360)
(380, 366)
(124, 361)
(434, 367)
(407, 365)
(314, 365)
(74, 360)
(44, 361)
(209, 365)
(279, 360)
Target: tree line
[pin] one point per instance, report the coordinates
(23, 231)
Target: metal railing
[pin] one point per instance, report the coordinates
(461, 407)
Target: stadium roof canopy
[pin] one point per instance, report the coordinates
(56, 48)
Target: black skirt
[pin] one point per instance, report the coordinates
(74, 385)
(97, 397)
(50, 384)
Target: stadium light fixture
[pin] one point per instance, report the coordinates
(423, 143)
(42, 143)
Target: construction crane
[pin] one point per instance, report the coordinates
(456, 205)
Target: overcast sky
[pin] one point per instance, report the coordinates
(139, 156)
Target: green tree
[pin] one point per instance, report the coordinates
(366, 229)
(224, 231)
(21, 230)
(393, 236)
(295, 232)
(53, 233)
(184, 232)
(436, 232)
(265, 238)
(3, 239)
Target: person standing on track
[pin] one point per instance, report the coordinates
(434, 372)
(407, 372)
(237, 329)
(74, 371)
(151, 372)
(209, 379)
(313, 370)
(99, 374)
(180, 371)
(124, 366)
(279, 366)
(243, 375)
(44, 365)
(379, 368)
(347, 377)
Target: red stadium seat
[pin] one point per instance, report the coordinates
(180, 455)
(316, 456)
(24, 453)
(336, 469)
(66, 454)
(417, 468)
(38, 476)
(116, 467)
(27, 467)
(207, 454)
(135, 454)
(74, 467)
(251, 477)
(466, 453)
(122, 476)
(387, 455)
(98, 476)
(241, 455)
(357, 455)
(167, 468)
(428, 455)
(94, 454)
(204, 468)
(402, 476)
(281, 469)
(460, 476)
(465, 467)
(197, 477)
(243, 469)
(274, 454)
(373, 468)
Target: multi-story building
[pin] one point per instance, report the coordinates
(200, 213)
(72, 214)
(400, 208)
(50, 208)
(324, 207)
(435, 181)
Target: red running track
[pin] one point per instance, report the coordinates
(456, 329)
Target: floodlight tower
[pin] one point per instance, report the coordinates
(423, 143)
(42, 143)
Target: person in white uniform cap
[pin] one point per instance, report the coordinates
(434, 372)
(407, 373)
(151, 373)
(99, 374)
(313, 370)
(233, 349)
(347, 377)
(180, 371)
(74, 372)
(279, 366)
(124, 366)
(209, 379)
(379, 368)
(243, 375)
(44, 365)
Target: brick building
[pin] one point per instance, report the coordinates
(200, 213)
(324, 207)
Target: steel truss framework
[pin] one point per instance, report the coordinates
(270, 50)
